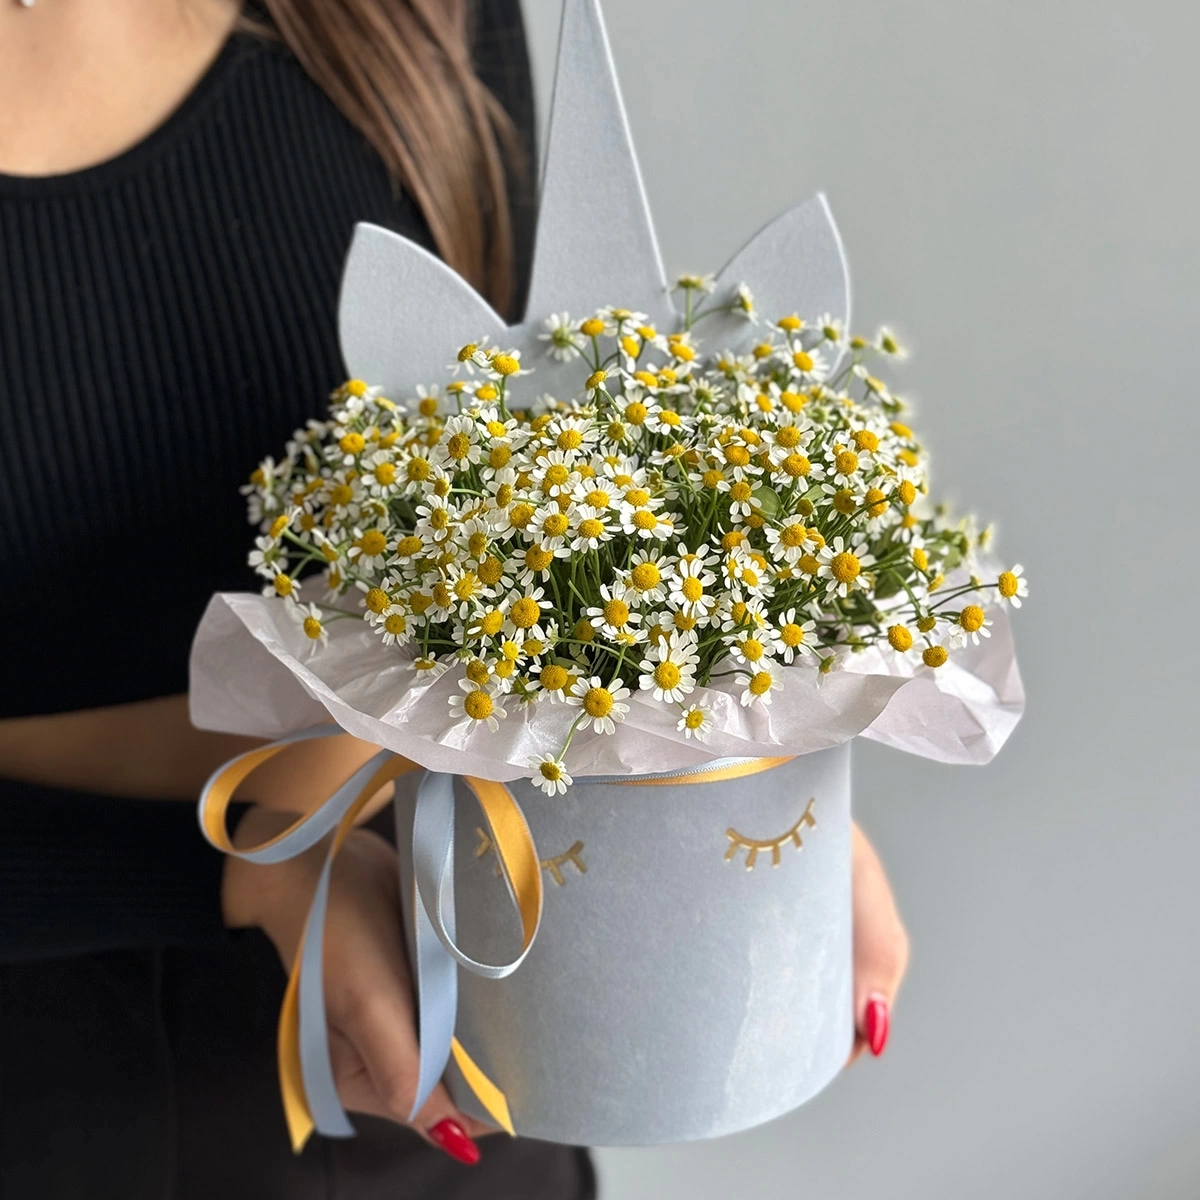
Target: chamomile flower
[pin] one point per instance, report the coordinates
(476, 705)
(669, 668)
(550, 774)
(794, 635)
(589, 528)
(615, 615)
(757, 684)
(564, 341)
(1012, 587)
(601, 703)
(973, 624)
(311, 621)
(696, 722)
(844, 566)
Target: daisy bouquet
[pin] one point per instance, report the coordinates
(612, 593)
(683, 524)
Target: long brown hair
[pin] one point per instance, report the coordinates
(401, 72)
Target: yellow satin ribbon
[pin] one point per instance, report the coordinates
(511, 838)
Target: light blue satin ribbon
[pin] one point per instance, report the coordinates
(437, 953)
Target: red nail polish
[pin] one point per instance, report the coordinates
(875, 1025)
(452, 1137)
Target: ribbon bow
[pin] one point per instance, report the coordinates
(305, 1069)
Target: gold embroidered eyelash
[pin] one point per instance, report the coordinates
(752, 846)
(553, 865)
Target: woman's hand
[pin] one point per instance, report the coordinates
(880, 949)
(368, 989)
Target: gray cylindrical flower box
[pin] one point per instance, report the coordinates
(672, 994)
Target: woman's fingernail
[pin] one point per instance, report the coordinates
(452, 1137)
(875, 1025)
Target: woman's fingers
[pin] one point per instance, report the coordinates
(880, 949)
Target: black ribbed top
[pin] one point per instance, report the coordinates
(166, 319)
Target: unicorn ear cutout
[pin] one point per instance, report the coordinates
(795, 265)
(403, 314)
(595, 240)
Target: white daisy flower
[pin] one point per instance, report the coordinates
(832, 329)
(972, 625)
(758, 683)
(590, 528)
(695, 723)
(743, 304)
(565, 342)
(550, 774)
(787, 541)
(476, 705)
(793, 633)
(669, 669)
(310, 620)
(843, 566)
(600, 702)
(1012, 587)
(615, 615)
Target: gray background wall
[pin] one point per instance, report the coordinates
(1018, 187)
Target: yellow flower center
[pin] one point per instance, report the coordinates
(439, 518)
(467, 351)
(711, 478)
(846, 462)
(1009, 583)
(554, 678)
(667, 676)
(900, 638)
(537, 559)
(809, 564)
(504, 495)
(906, 491)
(737, 455)
(418, 469)
(591, 528)
(284, 585)
(925, 624)
(491, 623)
(592, 327)
(900, 430)
(491, 570)
(356, 388)
(486, 392)
(645, 519)
(752, 648)
(466, 586)
(340, 495)
(478, 705)
(395, 623)
(505, 364)
(477, 672)
(760, 683)
(595, 380)
(792, 635)
(555, 525)
(312, 628)
(692, 589)
(845, 567)
(570, 439)
(427, 407)
(934, 656)
(864, 439)
(551, 771)
(645, 576)
(616, 613)
(971, 618)
(521, 515)
(372, 543)
(556, 475)
(583, 631)
(352, 443)
(844, 502)
(803, 360)
(668, 417)
(694, 719)
(385, 473)
(376, 600)
(525, 613)
(637, 497)
(598, 498)
(877, 503)
(793, 536)
(788, 437)
(420, 602)
(497, 428)
(598, 702)
(790, 324)
(741, 491)
(796, 466)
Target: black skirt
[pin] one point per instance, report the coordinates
(150, 1075)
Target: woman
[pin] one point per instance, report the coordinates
(178, 184)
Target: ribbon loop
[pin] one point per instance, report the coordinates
(305, 1068)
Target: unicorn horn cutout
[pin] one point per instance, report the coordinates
(403, 314)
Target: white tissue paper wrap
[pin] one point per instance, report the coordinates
(253, 672)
